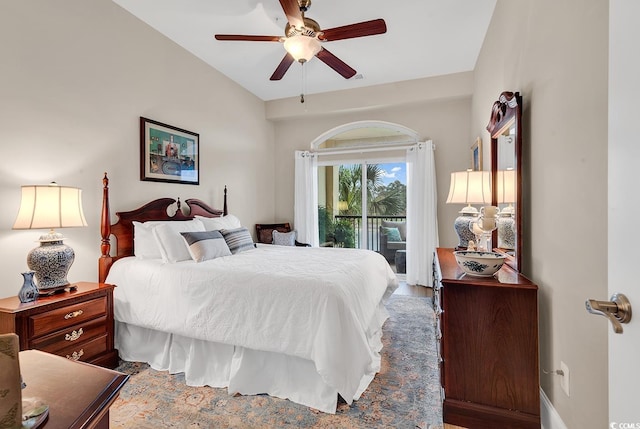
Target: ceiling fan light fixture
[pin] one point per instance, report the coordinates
(302, 48)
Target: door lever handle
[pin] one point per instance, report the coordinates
(618, 310)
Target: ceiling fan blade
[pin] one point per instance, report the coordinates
(335, 63)
(282, 67)
(361, 29)
(291, 8)
(244, 37)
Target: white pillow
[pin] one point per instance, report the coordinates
(172, 246)
(217, 223)
(206, 245)
(145, 245)
(284, 238)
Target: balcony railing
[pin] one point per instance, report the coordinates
(372, 228)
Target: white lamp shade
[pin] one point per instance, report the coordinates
(506, 186)
(50, 206)
(470, 187)
(302, 48)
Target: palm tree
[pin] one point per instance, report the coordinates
(390, 200)
(381, 199)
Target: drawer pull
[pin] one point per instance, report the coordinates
(76, 355)
(73, 314)
(74, 335)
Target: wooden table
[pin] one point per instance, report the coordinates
(78, 394)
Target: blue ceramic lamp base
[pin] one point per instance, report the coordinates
(461, 225)
(51, 262)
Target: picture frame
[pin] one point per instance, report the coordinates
(476, 155)
(168, 154)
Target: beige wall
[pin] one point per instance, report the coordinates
(442, 115)
(75, 78)
(555, 54)
(77, 75)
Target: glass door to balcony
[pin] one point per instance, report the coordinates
(354, 199)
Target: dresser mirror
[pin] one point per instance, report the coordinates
(506, 172)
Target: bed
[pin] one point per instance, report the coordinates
(299, 323)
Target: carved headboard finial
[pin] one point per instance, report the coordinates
(105, 231)
(224, 208)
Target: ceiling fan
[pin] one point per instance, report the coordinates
(304, 36)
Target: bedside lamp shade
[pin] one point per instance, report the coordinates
(468, 187)
(506, 183)
(49, 207)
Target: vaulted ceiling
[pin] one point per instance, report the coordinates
(424, 38)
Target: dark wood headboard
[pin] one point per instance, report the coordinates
(155, 210)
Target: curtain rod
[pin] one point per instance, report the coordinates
(363, 150)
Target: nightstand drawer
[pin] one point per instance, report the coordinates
(60, 318)
(86, 351)
(71, 336)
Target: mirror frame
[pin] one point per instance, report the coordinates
(507, 112)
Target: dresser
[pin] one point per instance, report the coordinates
(75, 324)
(487, 330)
(78, 395)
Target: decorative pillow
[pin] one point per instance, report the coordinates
(217, 223)
(284, 238)
(238, 239)
(401, 225)
(171, 243)
(144, 243)
(206, 245)
(265, 236)
(393, 234)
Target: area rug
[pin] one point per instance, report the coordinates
(404, 394)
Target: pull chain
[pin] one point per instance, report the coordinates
(304, 77)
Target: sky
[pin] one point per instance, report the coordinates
(394, 171)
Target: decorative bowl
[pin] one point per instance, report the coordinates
(481, 264)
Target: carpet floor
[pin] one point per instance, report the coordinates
(404, 394)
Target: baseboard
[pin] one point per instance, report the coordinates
(549, 417)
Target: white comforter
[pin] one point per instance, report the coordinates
(314, 303)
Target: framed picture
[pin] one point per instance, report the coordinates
(168, 154)
(476, 155)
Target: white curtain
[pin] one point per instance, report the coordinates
(422, 222)
(305, 218)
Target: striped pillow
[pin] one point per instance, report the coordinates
(238, 239)
(206, 245)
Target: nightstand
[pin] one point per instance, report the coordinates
(76, 324)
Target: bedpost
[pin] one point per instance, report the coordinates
(104, 263)
(224, 207)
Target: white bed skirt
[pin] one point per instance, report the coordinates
(240, 369)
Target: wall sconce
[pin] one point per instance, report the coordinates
(468, 187)
(48, 207)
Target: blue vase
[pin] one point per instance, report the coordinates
(29, 290)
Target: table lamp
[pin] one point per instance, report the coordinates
(468, 187)
(506, 188)
(48, 207)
